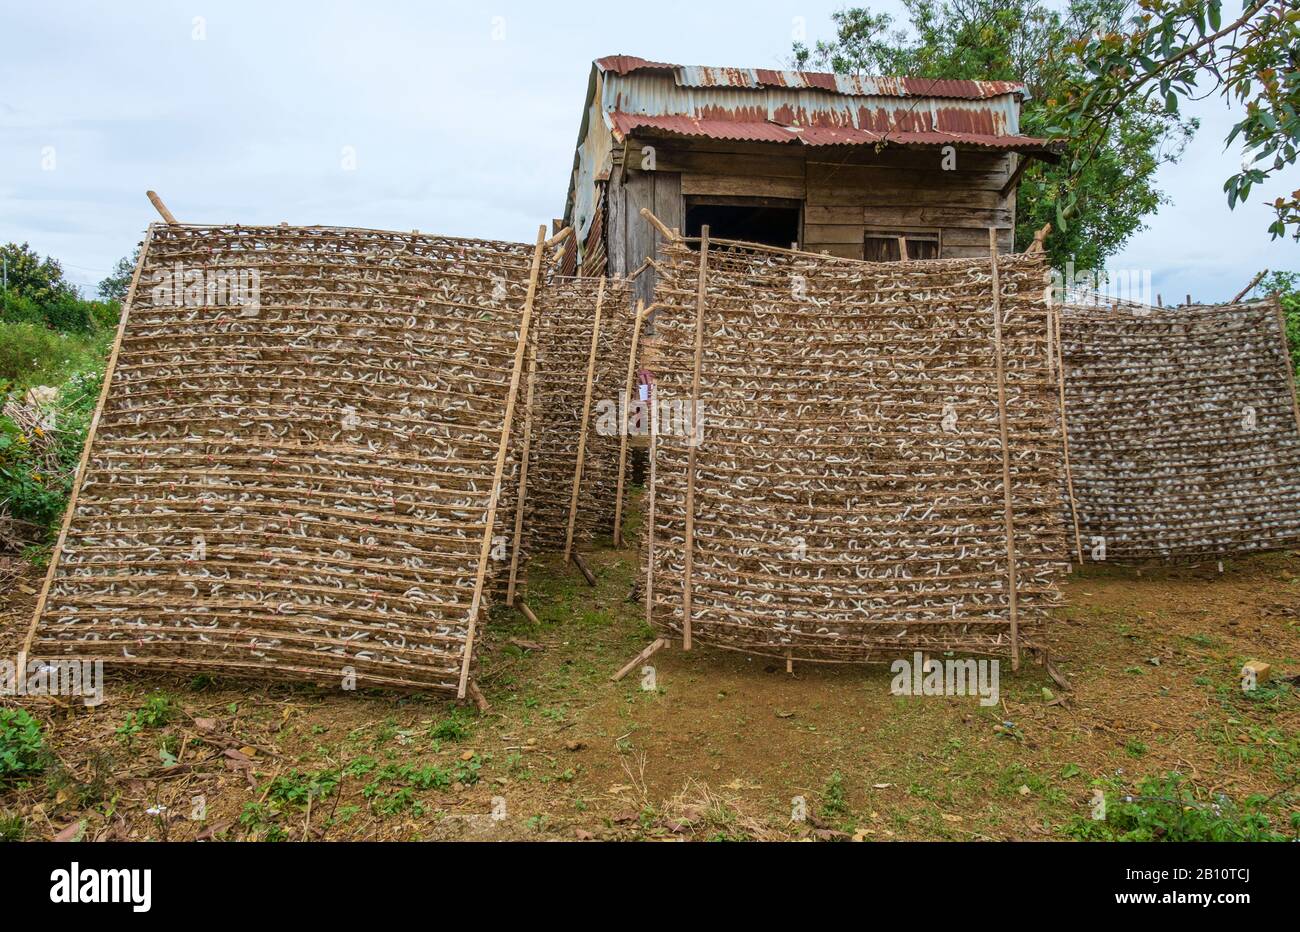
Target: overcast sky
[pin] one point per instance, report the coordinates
(461, 118)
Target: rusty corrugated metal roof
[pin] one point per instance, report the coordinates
(756, 131)
(847, 84)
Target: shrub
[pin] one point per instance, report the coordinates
(20, 743)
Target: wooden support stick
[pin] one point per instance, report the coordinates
(1065, 434)
(523, 479)
(485, 550)
(1022, 162)
(1245, 291)
(687, 582)
(80, 474)
(479, 699)
(526, 611)
(670, 235)
(159, 206)
(646, 654)
(582, 425)
(789, 662)
(583, 568)
(559, 237)
(622, 440)
(1014, 610)
(902, 249)
(1039, 237)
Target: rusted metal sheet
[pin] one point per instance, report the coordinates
(623, 124)
(845, 84)
(763, 105)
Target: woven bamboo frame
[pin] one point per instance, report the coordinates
(307, 486)
(1183, 430)
(836, 518)
(560, 511)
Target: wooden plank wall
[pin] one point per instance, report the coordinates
(846, 191)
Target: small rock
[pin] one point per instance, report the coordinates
(467, 755)
(575, 745)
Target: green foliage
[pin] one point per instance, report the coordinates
(156, 712)
(453, 728)
(21, 743)
(115, 286)
(1167, 51)
(1165, 809)
(1019, 40)
(37, 469)
(1286, 285)
(39, 280)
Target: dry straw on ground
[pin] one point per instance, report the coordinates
(1184, 432)
(847, 500)
(566, 319)
(297, 483)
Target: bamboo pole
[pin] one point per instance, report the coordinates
(1065, 435)
(1006, 453)
(659, 225)
(1245, 291)
(582, 428)
(622, 442)
(646, 654)
(485, 550)
(523, 478)
(80, 475)
(687, 580)
(159, 206)
(650, 510)
(559, 238)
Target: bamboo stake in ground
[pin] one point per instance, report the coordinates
(627, 406)
(485, 551)
(1006, 453)
(80, 474)
(694, 440)
(523, 478)
(582, 425)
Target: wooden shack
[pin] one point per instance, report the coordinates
(854, 166)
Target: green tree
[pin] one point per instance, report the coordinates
(115, 286)
(1286, 285)
(1166, 51)
(1017, 40)
(29, 276)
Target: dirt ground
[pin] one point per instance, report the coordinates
(724, 746)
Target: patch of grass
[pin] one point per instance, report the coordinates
(13, 827)
(454, 727)
(834, 805)
(1167, 809)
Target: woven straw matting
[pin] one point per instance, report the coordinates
(849, 487)
(1184, 439)
(566, 315)
(302, 487)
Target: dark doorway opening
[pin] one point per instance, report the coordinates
(770, 221)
